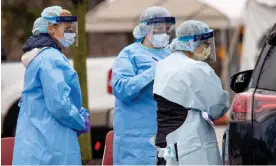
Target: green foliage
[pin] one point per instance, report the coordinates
(19, 20)
(18, 17)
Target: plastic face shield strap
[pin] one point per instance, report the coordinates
(162, 24)
(204, 40)
(72, 29)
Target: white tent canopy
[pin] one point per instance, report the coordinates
(259, 19)
(124, 15)
(233, 9)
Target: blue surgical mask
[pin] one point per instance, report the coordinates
(160, 40)
(68, 39)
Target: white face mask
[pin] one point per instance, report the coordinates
(203, 55)
(160, 40)
(68, 39)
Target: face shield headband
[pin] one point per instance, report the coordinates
(72, 20)
(192, 42)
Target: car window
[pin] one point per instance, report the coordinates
(258, 66)
(267, 79)
(265, 59)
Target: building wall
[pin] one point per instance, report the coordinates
(106, 44)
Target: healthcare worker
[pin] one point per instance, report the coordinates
(51, 116)
(132, 82)
(189, 96)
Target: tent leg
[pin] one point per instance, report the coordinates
(225, 68)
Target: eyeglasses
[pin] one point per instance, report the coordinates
(206, 44)
(163, 28)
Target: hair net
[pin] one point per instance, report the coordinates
(143, 29)
(187, 28)
(40, 26)
(51, 12)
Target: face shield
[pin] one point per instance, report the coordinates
(162, 28)
(205, 41)
(161, 25)
(71, 26)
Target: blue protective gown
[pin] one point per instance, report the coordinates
(135, 109)
(50, 112)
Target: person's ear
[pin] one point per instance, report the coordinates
(51, 29)
(149, 35)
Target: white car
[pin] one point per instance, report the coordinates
(101, 103)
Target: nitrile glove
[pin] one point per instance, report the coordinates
(87, 127)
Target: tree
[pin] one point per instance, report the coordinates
(17, 21)
(79, 61)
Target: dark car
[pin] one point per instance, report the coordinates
(250, 138)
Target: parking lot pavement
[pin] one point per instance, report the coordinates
(219, 132)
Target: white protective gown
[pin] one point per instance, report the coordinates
(194, 85)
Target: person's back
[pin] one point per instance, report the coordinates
(170, 115)
(185, 80)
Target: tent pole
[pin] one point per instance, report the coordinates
(233, 43)
(224, 73)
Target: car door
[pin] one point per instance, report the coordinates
(263, 109)
(252, 112)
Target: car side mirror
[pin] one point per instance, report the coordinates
(240, 81)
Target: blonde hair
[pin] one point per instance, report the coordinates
(65, 12)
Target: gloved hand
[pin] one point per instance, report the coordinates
(208, 118)
(87, 126)
(84, 112)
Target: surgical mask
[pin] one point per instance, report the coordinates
(160, 40)
(203, 55)
(68, 39)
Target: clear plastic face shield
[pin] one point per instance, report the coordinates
(202, 46)
(161, 29)
(161, 25)
(71, 27)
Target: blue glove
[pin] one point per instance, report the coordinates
(87, 127)
(85, 114)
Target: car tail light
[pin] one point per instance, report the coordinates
(97, 146)
(242, 104)
(241, 107)
(109, 85)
